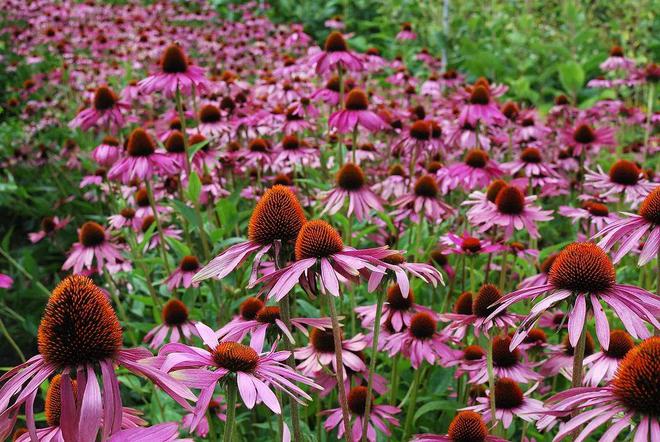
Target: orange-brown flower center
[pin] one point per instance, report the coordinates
(357, 400)
(584, 134)
(356, 100)
(476, 158)
(502, 356)
(650, 207)
(317, 239)
(396, 300)
(508, 394)
(174, 60)
(467, 426)
(104, 98)
(510, 201)
(250, 307)
(582, 268)
(625, 172)
(620, 344)
(426, 187)
(487, 295)
(140, 143)
(175, 312)
(422, 326)
(637, 380)
(277, 216)
(463, 304)
(235, 357)
(335, 43)
(209, 114)
(322, 340)
(175, 142)
(91, 234)
(350, 177)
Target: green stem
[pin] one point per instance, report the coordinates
(295, 416)
(25, 273)
(649, 113)
(413, 402)
(159, 227)
(114, 293)
(336, 333)
(7, 335)
(212, 432)
(503, 271)
(231, 410)
(372, 362)
(578, 361)
(491, 379)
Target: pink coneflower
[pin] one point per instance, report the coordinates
(165, 432)
(184, 273)
(175, 147)
(406, 32)
(258, 154)
(217, 408)
(629, 231)
(420, 342)
(268, 319)
(105, 113)
(292, 151)
(211, 124)
(395, 185)
(379, 417)
(320, 353)
(93, 242)
(335, 22)
(510, 401)
(351, 183)
(335, 55)
(176, 324)
(154, 241)
(256, 373)
(595, 216)
(476, 171)
(108, 152)
(79, 332)
(175, 74)
(398, 310)
(616, 61)
(506, 364)
(466, 426)
(295, 122)
(275, 221)
(582, 137)
(423, 201)
(356, 112)
(603, 365)
(531, 164)
(417, 140)
(322, 261)
(624, 178)
(476, 311)
(583, 272)
(49, 225)
(531, 129)
(542, 277)
(6, 281)
(512, 211)
(468, 245)
(480, 107)
(127, 217)
(329, 93)
(141, 161)
(629, 401)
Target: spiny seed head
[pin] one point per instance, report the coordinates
(250, 307)
(110, 140)
(625, 172)
(510, 110)
(104, 98)
(189, 263)
(588, 345)
(620, 344)
(277, 216)
(463, 304)
(467, 426)
(78, 326)
(616, 51)
(91, 234)
(420, 130)
(350, 177)
(476, 158)
(434, 166)
(426, 187)
(531, 155)
(259, 145)
(53, 402)
(209, 114)
(547, 263)
(471, 244)
(268, 314)
(438, 257)
(235, 357)
(290, 142)
(396, 300)
(317, 239)
(473, 353)
(487, 295)
(175, 142)
(508, 394)
(582, 267)
(357, 400)
(510, 201)
(128, 213)
(147, 221)
(173, 60)
(502, 356)
(322, 340)
(140, 143)
(584, 134)
(48, 224)
(480, 95)
(494, 189)
(397, 170)
(535, 336)
(422, 326)
(637, 380)
(175, 124)
(141, 198)
(335, 43)
(650, 207)
(561, 100)
(598, 209)
(175, 313)
(356, 100)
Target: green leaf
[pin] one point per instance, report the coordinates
(433, 406)
(194, 187)
(192, 150)
(571, 76)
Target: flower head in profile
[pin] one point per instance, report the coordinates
(423, 202)
(406, 32)
(380, 416)
(335, 54)
(481, 107)
(476, 171)
(183, 274)
(583, 275)
(356, 113)
(584, 137)
(176, 325)
(627, 232)
(49, 225)
(507, 363)
(93, 242)
(602, 366)
(351, 183)
(616, 61)
(79, 332)
(466, 426)
(141, 160)
(624, 177)
(106, 112)
(175, 74)
(629, 401)
(420, 342)
(319, 353)
(275, 221)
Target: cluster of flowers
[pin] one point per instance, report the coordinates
(432, 178)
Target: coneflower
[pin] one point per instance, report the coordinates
(356, 113)
(141, 160)
(93, 242)
(466, 426)
(624, 178)
(175, 75)
(351, 183)
(335, 55)
(105, 113)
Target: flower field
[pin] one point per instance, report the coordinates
(297, 221)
